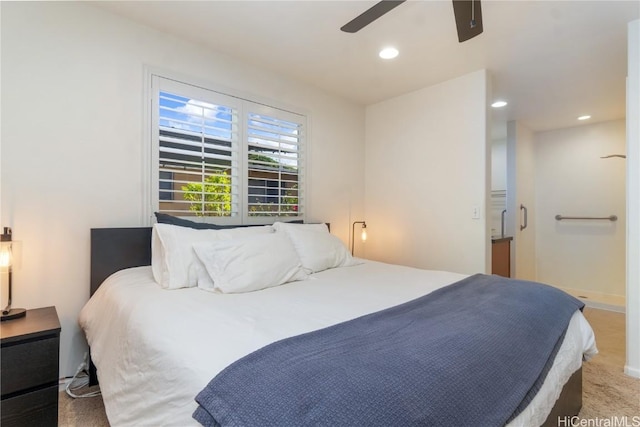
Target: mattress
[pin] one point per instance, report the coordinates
(155, 349)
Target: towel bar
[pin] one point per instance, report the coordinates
(610, 217)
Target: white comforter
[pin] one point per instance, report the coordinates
(155, 349)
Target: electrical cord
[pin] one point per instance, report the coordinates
(78, 381)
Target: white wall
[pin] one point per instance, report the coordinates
(521, 192)
(632, 366)
(572, 180)
(498, 183)
(499, 164)
(426, 156)
(72, 126)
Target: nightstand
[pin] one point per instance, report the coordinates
(30, 350)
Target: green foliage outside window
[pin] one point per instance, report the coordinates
(217, 195)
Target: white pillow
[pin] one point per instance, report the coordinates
(250, 263)
(317, 248)
(173, 261)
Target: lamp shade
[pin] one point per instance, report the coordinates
(5, 255)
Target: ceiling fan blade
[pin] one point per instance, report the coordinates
(370, 15)
(467, 12)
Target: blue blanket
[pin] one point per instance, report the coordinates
(467, 354)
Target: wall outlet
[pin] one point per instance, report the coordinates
(475, 212)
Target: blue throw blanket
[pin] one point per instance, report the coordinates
(467, 354)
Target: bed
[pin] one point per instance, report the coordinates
(152, 358)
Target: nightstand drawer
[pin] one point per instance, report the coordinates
(29, 364)
(38, 408)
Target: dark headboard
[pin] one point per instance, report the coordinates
(113, 249)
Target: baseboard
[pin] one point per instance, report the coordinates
(603, 306)
(596, 300)
(632, 372)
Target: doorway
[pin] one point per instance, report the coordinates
(569, 201)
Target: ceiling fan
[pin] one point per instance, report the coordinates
(468, 14)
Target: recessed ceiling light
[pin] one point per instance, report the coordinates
(388, 53)
(584, 117)
(499, 104)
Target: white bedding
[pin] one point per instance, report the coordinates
(155, 349)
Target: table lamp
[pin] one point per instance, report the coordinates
(6, 261)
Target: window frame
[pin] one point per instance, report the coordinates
(245, 104)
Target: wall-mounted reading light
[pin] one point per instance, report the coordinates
(363, 235)
(6, 262)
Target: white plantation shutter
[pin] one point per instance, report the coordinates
(215, 155)
(274, 162)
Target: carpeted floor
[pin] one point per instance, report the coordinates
(84, 412)
(608, 394)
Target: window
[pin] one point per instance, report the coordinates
(273, 165)
(215, 155)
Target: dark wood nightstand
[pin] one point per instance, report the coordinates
(30, 350)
